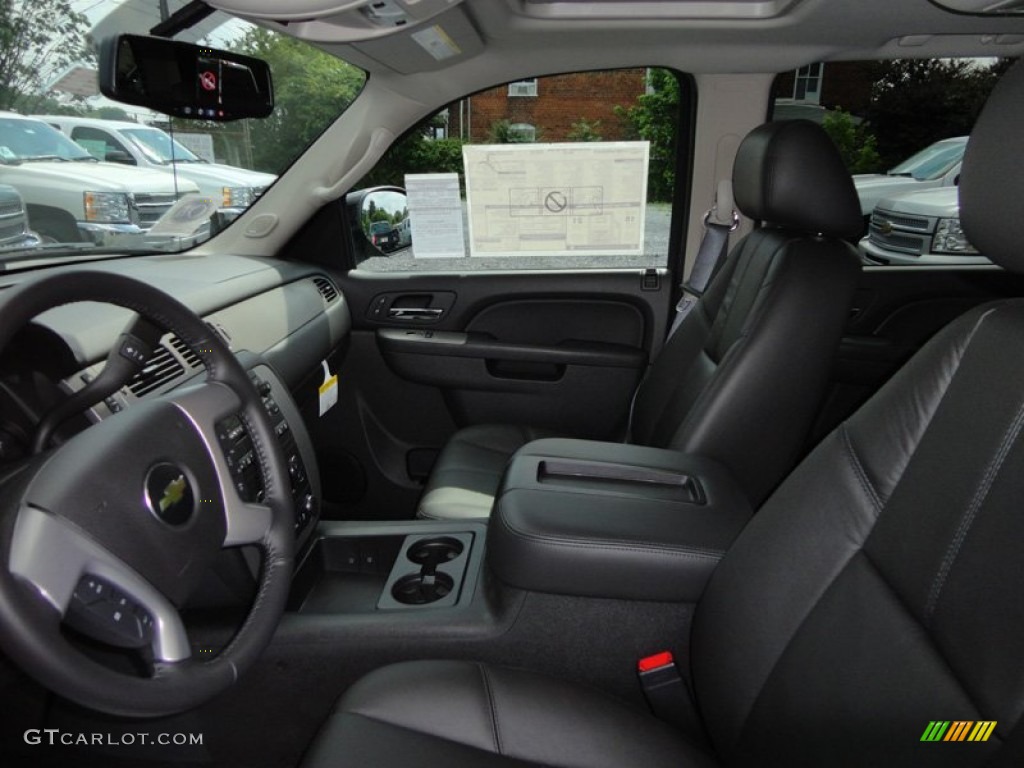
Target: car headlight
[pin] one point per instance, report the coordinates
(111, 207)
(238, 197)
(950, 238)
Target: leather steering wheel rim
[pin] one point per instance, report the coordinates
(30, 612)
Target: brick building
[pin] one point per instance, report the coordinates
(547, 108)
(842, 85)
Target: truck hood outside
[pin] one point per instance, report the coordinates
(942, 202)
(99, 177)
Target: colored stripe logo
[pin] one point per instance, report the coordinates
(958, 730)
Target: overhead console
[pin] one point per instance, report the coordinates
(592, 519)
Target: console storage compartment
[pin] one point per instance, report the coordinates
(586, 518)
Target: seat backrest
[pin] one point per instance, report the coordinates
(877, 599)
(741, 379)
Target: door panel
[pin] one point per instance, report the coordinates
(561, 351)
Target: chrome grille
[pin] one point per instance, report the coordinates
(12, 232)
(897, 220)
(10, 208)
(897, 241)
(151, 207)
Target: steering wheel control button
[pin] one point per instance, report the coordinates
(246, 474)
(134, 350)
(169, 494)
(105, 614)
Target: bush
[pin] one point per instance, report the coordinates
(857, 145)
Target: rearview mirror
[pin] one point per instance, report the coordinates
(184, 80)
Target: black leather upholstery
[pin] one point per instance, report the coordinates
(741, 379)
(465, 715)
(989, 180)
(788, 174)
(639, 539)
(880, 588)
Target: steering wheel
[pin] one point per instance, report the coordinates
(112, 531)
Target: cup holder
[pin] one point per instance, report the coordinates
(422, 588)
(433, 552)
(429, 572)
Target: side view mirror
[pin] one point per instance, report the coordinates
(184, 80)
(379, 220)
(117, 156)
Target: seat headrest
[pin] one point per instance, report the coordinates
(991, 184)
(789, 174)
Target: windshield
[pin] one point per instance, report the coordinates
(26, 140)
(159, 147)
(932, 162)
(96, 177)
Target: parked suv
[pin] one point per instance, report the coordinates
(146, 146)
(937, 165)
(919, 228)
(70, 195)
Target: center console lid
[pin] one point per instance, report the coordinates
(587, 518)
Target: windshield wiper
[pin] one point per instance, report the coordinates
(85, 159)
(188, 160)
(43, 158)
(905, 174)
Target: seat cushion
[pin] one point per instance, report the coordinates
(456, 713)
(465, 479)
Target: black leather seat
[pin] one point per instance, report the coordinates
(881, 587)
(742, 378)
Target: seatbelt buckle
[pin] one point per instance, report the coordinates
(664, 688)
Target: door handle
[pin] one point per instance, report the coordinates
(415, 313)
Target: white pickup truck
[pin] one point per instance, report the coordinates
(919, 228)
(71, 196)
(937, 165)
(145, 146)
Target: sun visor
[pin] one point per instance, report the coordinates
(441, 42)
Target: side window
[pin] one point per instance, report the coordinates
(101, 145)
(901, 127)
(571, 171)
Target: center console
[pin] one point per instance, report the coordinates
(578, 517)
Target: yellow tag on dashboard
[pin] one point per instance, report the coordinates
(328, 390)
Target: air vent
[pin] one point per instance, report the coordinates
(161, 368)
(326, 288)
(183, 349)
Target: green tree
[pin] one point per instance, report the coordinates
(585, 130)
(417, 152)
(39, 41)
(311, 88)
(655, 118)
(856, 143)
(915, 103)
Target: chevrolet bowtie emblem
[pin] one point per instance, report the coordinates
(173, 493)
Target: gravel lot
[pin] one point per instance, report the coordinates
(656, 233)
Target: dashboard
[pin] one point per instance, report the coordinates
(283, 321)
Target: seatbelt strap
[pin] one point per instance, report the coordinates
(721, 220)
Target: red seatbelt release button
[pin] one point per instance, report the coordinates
(656, 661)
